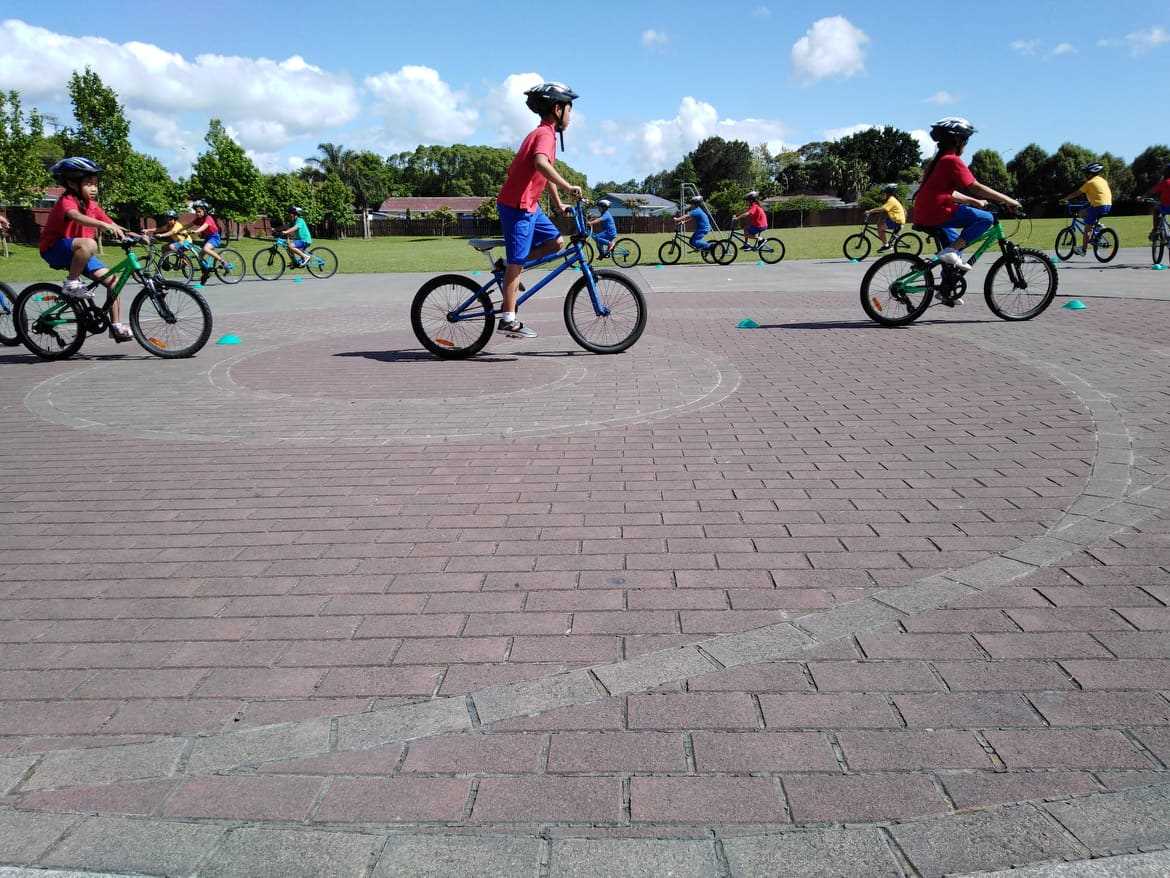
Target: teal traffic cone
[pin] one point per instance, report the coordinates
(229, 339)
(1158, 266)
(747, 323)
(1075, 305)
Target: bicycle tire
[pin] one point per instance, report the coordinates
(729, 252)
(160, 335)
(670, 252)
(856, 247)
(1105, 245)
(1158, 248)
(8, 334)
(589, 252)
(31, 338)
(997, 300)
(908, 243)
(173, 266)
(884, 274)
(1066, 243)
(268, 264)
(233, 268)
(428, 319)
(629, 317)
(771, 250)
(322, 263)
(626, 252)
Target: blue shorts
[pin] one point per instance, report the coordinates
(213, 241)
(60, 256)
(523, 231)
(1093, 214)
(302, 245)
(891, 225)
(604, 241)
(967, 223)
(1164, 209)
(698, 243)
(755, 230)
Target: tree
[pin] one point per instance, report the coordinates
(1121, 180)
(848, 178)
(148, 190)
(445, 217)
(1025, 170)
(1147, 168)
(487, 210)
(988, 167)
(22, 174)
(226, 177)
(335, 202)
(282, 191)
(102, 134)
(717, 162)
(875, 197)
(333, 160)
(1061, 172)
(884, 152)
(801, 204)
(730, 199)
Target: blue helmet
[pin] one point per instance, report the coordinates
(74, 168)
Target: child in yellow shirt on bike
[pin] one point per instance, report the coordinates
(895, 213)
(1100, 198)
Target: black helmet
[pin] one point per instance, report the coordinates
(171, 214)
(696, 199)
(199, 205)
(542, 98)
(1166, 171)
(753, 196)
(1093, 168)
(603, 204)
(74, 168)
(953, 129)
(890, 188)
(295, 210)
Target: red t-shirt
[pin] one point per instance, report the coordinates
(933, 205)
(1162, 190)
(757, 217)
(523, 187)
(59, 226)
(212, 226)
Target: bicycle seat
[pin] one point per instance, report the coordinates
(485, 244)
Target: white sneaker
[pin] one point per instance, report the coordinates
(515, 329)
(75, 289)
(953, 259)
(120, 332)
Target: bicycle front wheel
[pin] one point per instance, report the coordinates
(1021, 285)
(170, 321)
(1105, 245)
(620, 327)
(626, 252)
(8, 336)
(1158, 248)
(771, 250)
(908, 243)
(435, 327)
(728, 252)
(49, 325)
(232, 269)
(856, 247)
(1066, 242)
(670, 252)
(897, 289)
(268, 264)
(322, 262)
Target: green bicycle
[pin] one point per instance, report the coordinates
(899, 288)
(169, 319)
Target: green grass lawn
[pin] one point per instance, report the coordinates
(435, 254)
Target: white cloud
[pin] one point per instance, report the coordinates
(831, 47)
(837, 133)
(1025, 47)
(942, 98)
(1143, 41)
(654, 39)
(1062, 49)
(417, 106)
(925, 145)
(761, 12)
(292, 93)
(506, 111)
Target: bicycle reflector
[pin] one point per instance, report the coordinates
(876, 303)
(157, 342)
(445, 342)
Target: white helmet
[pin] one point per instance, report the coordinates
(603, 204)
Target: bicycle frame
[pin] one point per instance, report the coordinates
(994, 235)
(1078, 224)
(571, 255)
(126, 269)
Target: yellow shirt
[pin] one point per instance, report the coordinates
(894, 210)
(1097, 191)
(173, 227)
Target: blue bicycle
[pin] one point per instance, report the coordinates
(8, 336)
(1068, 239)
(453, 317)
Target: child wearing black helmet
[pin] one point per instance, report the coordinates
(895, 215)
(170, 229)
(68, 237)
(528, 233)
(301, 240)
(1100, 199)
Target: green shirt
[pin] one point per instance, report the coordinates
(302, 231)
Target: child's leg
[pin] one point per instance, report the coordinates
(83, 251)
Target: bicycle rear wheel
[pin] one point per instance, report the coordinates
(268, 263)
(322, 262)
(730, 252)
(626, 252)
(1066, 242)
(232, 269)
(670, 252)
(588, 251)
(1158, 248)
(1105, 245)
(8, 336)
(890, 293)
(1021, 285)
(171, 321)
(174, 266)
(856, 247)
(771, 250)
(49, 325)
(908, 243)
(430, 317)
(611, 333)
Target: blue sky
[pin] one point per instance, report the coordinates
(654, 77)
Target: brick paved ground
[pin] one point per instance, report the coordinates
(928, 571)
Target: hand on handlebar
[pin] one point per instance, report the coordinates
(575, 191)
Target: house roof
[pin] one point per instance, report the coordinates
(648, 202)
(829, 199)
(422, 204)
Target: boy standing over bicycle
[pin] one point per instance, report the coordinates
(895, 215)
(608, 232)
(298, 245)
(68, 238)
(1100, 199)
(757, 220)
(528, 233)
(702, 223)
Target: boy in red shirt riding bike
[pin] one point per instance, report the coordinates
(68, 238)
(757, 220)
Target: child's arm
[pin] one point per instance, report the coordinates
(195, 230)
(992, 195)
(558, 182)
(106, 225)
(593, 222)
(288, 231)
